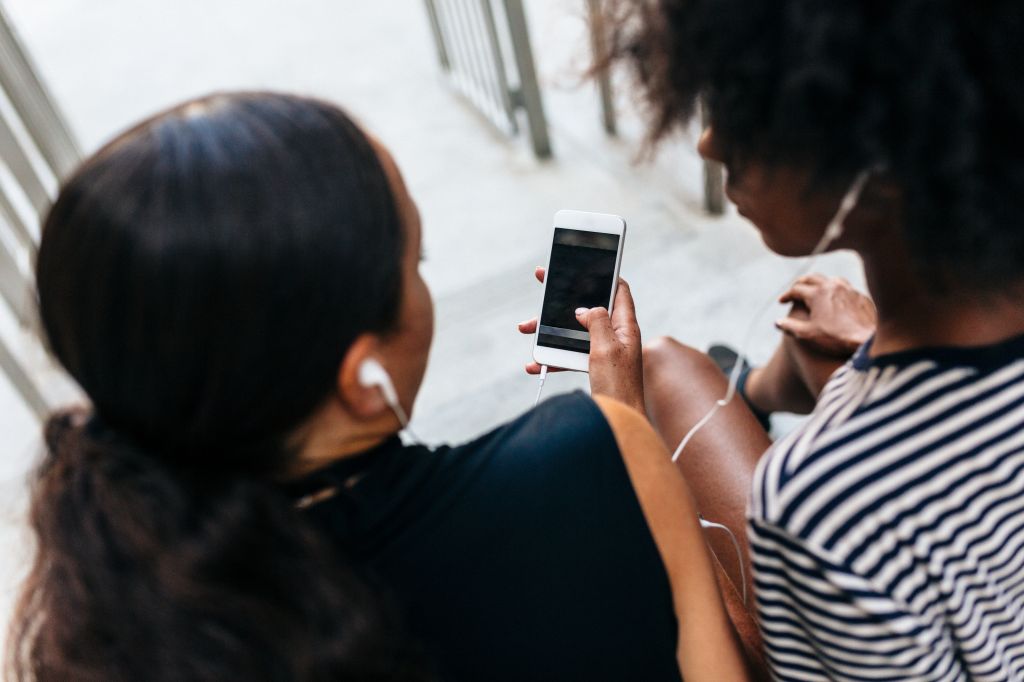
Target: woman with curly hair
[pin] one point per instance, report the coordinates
(887, 532)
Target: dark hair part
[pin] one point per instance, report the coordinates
(930, 89)
(201, 277)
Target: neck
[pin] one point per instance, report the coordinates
(912, 314)
(334, 435)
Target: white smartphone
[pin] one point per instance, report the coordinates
(582, 272)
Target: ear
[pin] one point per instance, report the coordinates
(362, 402)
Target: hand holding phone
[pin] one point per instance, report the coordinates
(616, 353)
(616, 361)
(576, 329)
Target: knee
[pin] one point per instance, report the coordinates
(666, 355)
(677, 377)
(659, 351)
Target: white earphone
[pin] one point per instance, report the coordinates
(372, 374)
(833, 231)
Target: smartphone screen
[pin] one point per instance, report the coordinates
(579, 276)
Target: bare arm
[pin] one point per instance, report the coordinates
(708, 648)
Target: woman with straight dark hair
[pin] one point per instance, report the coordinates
(234, 283)
(170, 287)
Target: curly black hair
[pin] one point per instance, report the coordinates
(931, 89)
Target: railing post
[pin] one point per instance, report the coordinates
(43, 130)
(24, 385)
(33, 103)
(498, 60)
(472, 49)
(529, 89)
(435, 27)
(714, 176)
(15, 287)
(13, 154)
(604, 81)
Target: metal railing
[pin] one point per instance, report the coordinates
(484, 47)
(37, 150)
(473, 40)
(714, 175)
(603, 75)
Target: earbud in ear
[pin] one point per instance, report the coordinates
(371, 374)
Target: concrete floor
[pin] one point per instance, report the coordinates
(486, 202)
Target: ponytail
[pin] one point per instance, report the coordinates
(147, 573)
(201, 278)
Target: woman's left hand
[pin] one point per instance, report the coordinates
(830, 316)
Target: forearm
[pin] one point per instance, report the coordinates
(708, 646)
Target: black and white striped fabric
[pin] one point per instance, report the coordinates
(887, 533)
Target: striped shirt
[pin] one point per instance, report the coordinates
(887, 533)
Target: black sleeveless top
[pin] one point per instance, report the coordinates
(522, 555)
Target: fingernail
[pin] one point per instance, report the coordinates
(580, 311)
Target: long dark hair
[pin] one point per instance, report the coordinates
(201, 277)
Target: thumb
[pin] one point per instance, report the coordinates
(794, 327)
(598, 323)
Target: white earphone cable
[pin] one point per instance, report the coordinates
(540, 386)
(704, 523)
(833, 231)
(403, 419)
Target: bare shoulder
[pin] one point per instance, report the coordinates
(643, 451)
(664, 497)
(708, 647)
